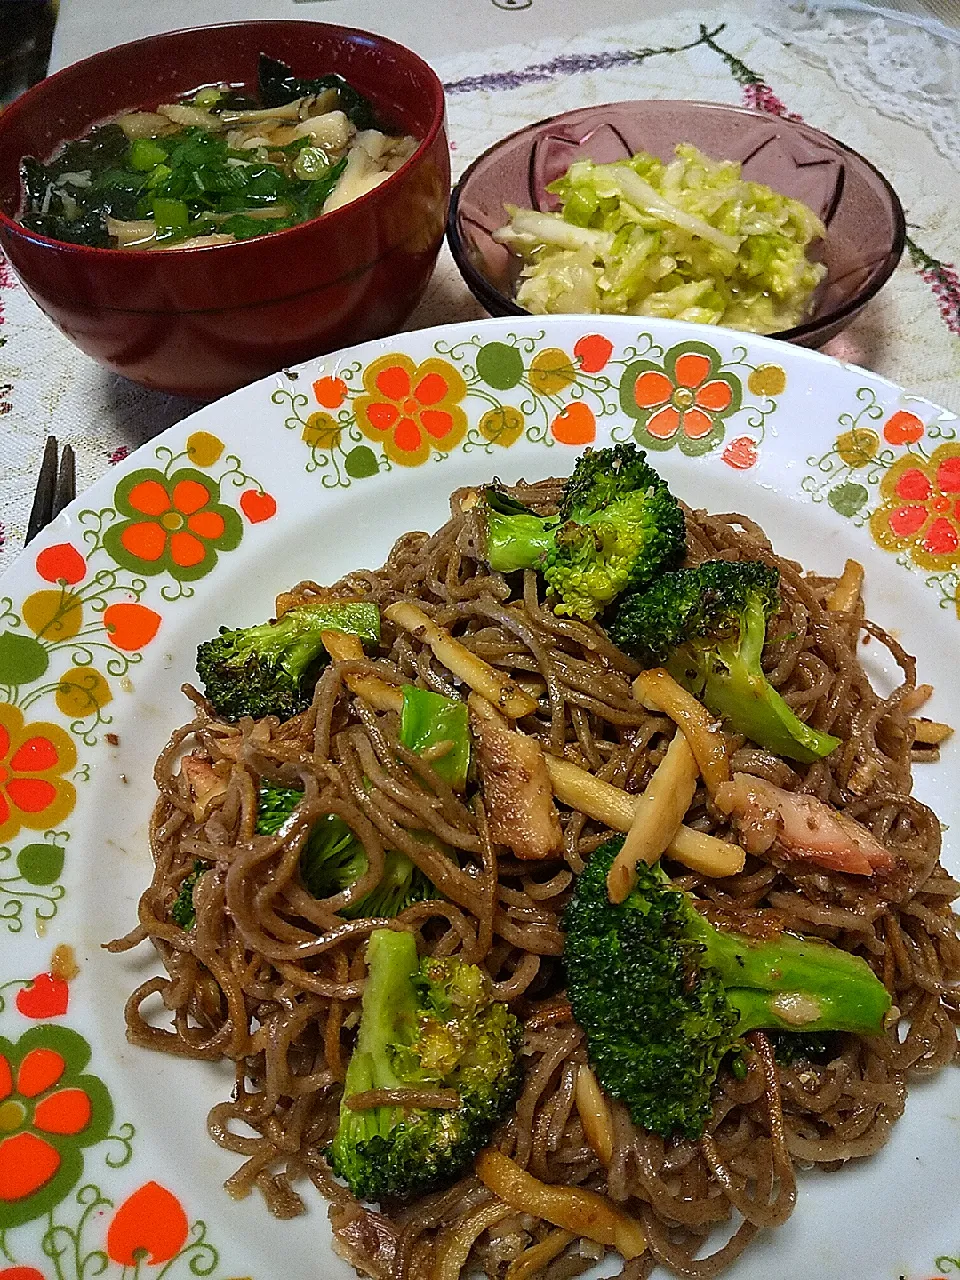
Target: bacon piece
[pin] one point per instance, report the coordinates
(516, 786)
(804, 828)
(367, 1240)
(204, 783)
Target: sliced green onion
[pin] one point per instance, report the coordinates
(146, 154)
(170, 214)
(208, 97)
(310, 163)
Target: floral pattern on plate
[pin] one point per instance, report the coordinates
(96, 606)
(489, 394)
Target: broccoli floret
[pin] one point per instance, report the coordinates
(708, 626)
(663, 996)
(333, 859)
(429, 1024)
(271, 669)
(183, 912)
(618, 526)
(428, 720)
(790, 1048)
(274, 807)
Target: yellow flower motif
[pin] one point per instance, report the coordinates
(321, 431)
(767, 380)
(857, 447)
(502, 426)
(411, 409)
(33, 759)
(551, 371)
(203, 449)
(920, 512)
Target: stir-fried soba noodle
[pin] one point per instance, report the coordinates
(271, 978)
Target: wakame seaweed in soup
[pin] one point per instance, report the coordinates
(215, 168)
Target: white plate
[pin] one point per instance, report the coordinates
(314, 472)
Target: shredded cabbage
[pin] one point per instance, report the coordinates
(688, 240)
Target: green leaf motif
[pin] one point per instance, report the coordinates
(500, 365)
(361, 462)
(22, 659)
(40, 864)
(847, 499)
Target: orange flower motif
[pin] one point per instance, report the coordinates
(45, 997)
(593, 351)
(258, 505)
(920, 512)
(411, 409)
(741, 454)
(130, 626)
(150, 1223)
(330, 392)
(172, 524)
(33, 759)
(574, 424)
(48, 1112)
(684, 401)
(903, 427)
(61, 563)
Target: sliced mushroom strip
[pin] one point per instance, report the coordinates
(615, 808)
(378, 693)
(505, 694)
(657, 817)
(658, 691)
(575, 1209)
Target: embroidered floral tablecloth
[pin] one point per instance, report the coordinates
(884, 89)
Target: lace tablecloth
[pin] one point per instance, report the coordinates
(885, 88)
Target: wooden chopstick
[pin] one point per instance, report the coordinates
(56, 486)
(66, 489)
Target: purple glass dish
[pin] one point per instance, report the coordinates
(861, 211)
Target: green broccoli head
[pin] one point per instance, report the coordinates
(515, 537)
(657, 1025)
(707, 625)
(602, 477)
(430, 1024)
(699, 607)
(271, 669)
(663, 996)
(618, 527)
(333, 859)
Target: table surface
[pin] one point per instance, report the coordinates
(885, 86)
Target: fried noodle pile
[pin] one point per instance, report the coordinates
(271, 978)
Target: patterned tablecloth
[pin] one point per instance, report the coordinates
(885, 88)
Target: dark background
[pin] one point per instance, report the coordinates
(26, 29)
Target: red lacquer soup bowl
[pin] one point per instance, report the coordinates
(204, 321)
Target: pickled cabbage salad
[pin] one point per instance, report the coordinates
(688, 240)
